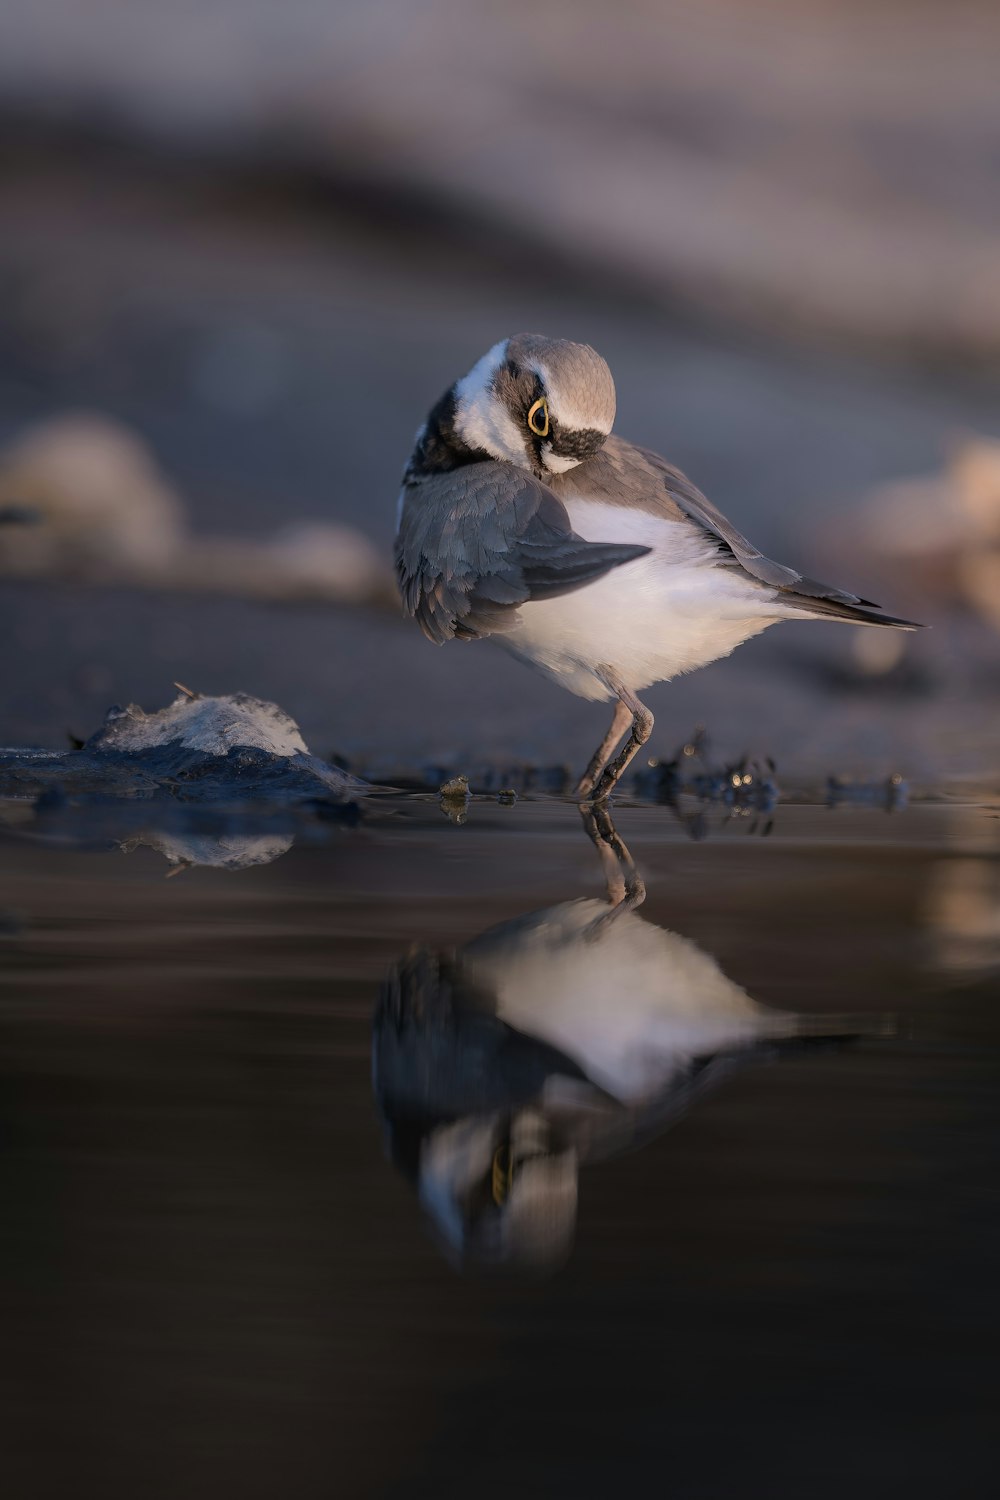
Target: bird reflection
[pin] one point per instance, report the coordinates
(557, 1039)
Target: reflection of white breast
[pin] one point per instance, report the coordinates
(631, 1005)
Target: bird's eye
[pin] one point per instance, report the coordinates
(501, 1176)
(538, 417)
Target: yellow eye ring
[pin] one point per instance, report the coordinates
(501, 1176)
(538, 417)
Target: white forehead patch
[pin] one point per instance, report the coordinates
(482, 420)
(573, 418)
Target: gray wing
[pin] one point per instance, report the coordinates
(620, 474)
(476, 542)
(640, 478)
(700, 509)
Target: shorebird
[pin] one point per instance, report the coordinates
(501, 1069)
(522, 517)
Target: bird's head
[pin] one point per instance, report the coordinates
(544, 404)
(501, 1190)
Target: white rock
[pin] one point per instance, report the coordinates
(213, 726)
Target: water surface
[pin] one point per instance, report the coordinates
(217, 1282)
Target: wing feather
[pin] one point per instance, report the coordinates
(475, 543)
(798, 592)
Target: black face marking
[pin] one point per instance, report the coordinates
(518, 389)
(580, 443)
(440, 447)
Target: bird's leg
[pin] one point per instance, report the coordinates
(635, 890)
(614, 878)
(620, 721)
(642, 728)
(624, 884)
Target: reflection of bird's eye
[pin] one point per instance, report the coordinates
(538, 417)
(503, 1172)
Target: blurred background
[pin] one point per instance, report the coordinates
(245, 246)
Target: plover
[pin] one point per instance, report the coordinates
(500, 1069)
(523, 517)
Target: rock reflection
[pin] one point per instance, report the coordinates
(554, 1040)
(217, 781)
(187, 837)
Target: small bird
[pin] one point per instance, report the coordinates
(522, 517)
(501, 1069)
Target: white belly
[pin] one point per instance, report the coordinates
(631, 1006)
(647, 621)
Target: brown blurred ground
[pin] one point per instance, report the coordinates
(265, 242)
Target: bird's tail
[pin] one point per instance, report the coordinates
(858, 612)
(788, 1031)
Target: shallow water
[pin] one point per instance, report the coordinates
(776, 1275)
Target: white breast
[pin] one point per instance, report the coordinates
(649, 620)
